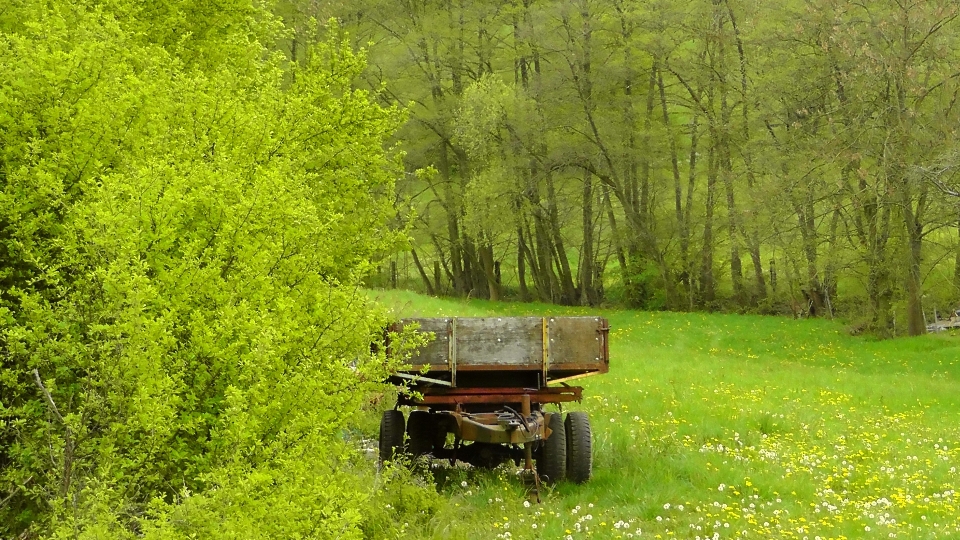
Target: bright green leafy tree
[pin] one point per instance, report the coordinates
(184, 219)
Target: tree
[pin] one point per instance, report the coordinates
(887, 70)
(182, 241)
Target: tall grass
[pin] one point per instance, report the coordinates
(734, 426)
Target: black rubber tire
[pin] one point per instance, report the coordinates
(579, 447)
(391, 435)
(552, 459)
(421, 433)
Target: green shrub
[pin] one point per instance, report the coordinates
(183, 225)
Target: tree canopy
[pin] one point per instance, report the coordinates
(777, 157)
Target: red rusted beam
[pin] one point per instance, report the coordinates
(599, 367)
(492, 399)
(486, 395)
(494, 390)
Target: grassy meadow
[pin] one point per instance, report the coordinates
(732, 426)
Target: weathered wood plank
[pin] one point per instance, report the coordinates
(494, 341)
(575, 341)
(437, 352)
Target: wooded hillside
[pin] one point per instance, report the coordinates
(722, 154)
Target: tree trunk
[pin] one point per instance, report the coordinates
(522, 266)
(461, 284)
(808, 233)
(618, 240)
(489, 271)
(733, 221)
(830, 270)
(916, 326)
(956, 260)
(752, 237)
(708, 291)
(677, 187)
(879, 284)
(547, 282)
(423, 273)
(736, 265)
(588, 295)
(568, 294)
(686, 223)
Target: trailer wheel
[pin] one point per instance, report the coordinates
(391, 435)
(421, 433)
(552, 461)
(579, 453)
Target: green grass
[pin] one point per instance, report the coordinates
(760, 427)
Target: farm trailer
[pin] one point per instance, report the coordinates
(487, 380)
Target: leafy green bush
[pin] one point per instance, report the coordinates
(184, 219)
(639, 284)
(403, 502)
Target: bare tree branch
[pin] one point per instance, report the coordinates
(68, 440)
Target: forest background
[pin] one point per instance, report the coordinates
(776, 157)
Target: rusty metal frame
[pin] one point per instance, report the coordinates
(563, 380)
(421, 378)
(490, 395)
(469, 428)
(524, 427)
(500, 367)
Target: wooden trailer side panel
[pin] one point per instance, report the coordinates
(436, 353)
(577, 344)
(556, 349)
(499, 343)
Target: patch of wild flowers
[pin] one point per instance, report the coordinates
(815, 466)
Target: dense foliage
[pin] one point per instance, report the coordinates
(184, 218)
(714, 154)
